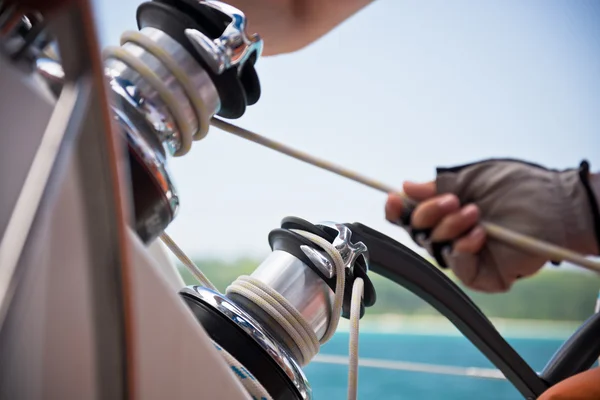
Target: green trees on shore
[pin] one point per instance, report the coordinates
(555, 294)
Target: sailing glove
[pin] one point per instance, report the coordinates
(560, 207)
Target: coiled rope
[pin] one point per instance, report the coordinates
(250, 383)
(203, 115)
(306, 345)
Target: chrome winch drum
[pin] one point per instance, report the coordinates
(303, 274)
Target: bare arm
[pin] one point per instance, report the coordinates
(289, 25)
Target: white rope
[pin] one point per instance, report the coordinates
(271, 302)
(305, 344)
(340, 280)
(203, 114)
(357, 293)
(187, 262)
(184, 127)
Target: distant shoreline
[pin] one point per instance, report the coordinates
(437, 325)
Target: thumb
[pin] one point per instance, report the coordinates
(420, 191)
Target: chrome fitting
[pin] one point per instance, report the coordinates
(349, 251)
(233, 48)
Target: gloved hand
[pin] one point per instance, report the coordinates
(560, 207)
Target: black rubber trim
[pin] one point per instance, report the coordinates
(301, 224)
(360, 270)
(577, 354)
(210, 20)
(416, 232)
(250, 81)
(214, 22)
(290, 242)
(401, 265)
(406, 216)
(244, 349)
(438, 248)
(169, 19)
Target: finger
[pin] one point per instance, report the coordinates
(456, 224)
(430, 212)
(472, 243)
(420, 191)
(393, 207)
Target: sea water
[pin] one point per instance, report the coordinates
(329, 381)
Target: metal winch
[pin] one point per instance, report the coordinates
(303, 273)
(190, 60)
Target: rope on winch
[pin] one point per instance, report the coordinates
(269, 300)
(284, 313)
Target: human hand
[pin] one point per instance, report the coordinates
(551, 205)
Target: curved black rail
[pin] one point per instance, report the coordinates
(398, 263)
(577, 354)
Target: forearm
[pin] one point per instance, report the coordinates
(289, 25)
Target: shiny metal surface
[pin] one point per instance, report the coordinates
(131, 86)
(200, 80)
(264, 339)
(135, 90)
(349, 251)
(149, 152)
(165, 76)
(300, 285)
(152, 158)
(153, 110)
(51, 72)
(320, 260)
(50, 69)
(233, 48)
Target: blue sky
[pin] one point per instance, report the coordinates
(400, 88)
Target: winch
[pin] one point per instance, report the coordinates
(190, 60)
(274, 320)
(189, 63)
